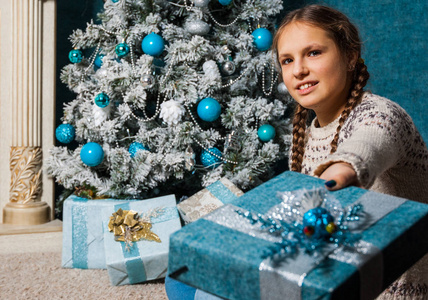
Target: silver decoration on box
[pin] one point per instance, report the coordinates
(197, 27)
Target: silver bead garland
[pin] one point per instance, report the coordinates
(273, 80)
(215, 155)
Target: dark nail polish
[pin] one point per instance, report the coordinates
(330, 183)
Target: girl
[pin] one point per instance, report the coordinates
(356, 138)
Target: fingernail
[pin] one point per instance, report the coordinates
(330, 183)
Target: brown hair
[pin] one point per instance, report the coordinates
(347, 39)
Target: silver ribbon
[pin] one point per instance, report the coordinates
(284, 280)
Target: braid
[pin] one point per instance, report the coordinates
(298, 147)
(360, 79)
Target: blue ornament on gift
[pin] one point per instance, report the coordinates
(122, 50)
(135, 147)
(153, 44)
(98, 62)
(211, 158)
(75, 56)
(92, 154)
(262, 39)
(102, 100)
(318, 223)
(65, 133)
(209, 109)
(266, 132)
(225, 2)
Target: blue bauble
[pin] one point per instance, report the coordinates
(224, 2)
(114, 1)
(318, 218)
(98, 62)
(266, 132)
(153, 44)
(122, 50)
(135, 147)
(102, 100)
(65, 133)
(209, 109)
(262, 39)
(210, 161)
(75, 56)
(92, 154)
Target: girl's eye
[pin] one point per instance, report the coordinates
(286, 61)
(314, 53)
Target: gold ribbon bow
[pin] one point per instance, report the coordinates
(128, 227)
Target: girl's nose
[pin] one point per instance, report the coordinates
(299, 69)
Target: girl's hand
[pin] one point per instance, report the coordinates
(340, 175)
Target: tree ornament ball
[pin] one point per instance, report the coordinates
(75, 56)
(319, 223)
(147, 80)
(153, 44)
(282, 89)
(135, 147)
(262, 39)
(228, 68)
(197, 27)
(92, 154)
(65, 133)
(102, 100)
(266, 132)
(209, 160)
(225, 2)
(98, 62)
(209, 109)
(122, 50)
(201, 3)
(114, 1)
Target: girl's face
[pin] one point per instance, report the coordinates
(313, 70)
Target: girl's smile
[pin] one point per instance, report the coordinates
(314, 70)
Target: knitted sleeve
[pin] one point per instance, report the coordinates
(373, 139)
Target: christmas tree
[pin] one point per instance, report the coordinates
(171, 95)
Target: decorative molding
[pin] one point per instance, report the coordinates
(25, 168)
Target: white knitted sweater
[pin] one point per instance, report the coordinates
(381, 142)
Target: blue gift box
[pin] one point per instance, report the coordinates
(220, 255)
(144, 260)
(82, 232)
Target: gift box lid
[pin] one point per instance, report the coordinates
(226, 261)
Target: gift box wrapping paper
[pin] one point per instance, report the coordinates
(222, 253)
(209, 199)
(144, 260)
(82, 232)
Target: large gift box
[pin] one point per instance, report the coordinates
(147, 258)
(226, 255)
(209, 199)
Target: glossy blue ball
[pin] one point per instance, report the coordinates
(114, 1)
(262, 39)
(92, 154)
(225, 2)
(135, 147)
(65, 133)
(318, 218)
(98, 62)
(102, 100)
(122, 50)
(75, 56)
(153, 44)
(209, 160)
(209, 109)
(266, 132)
